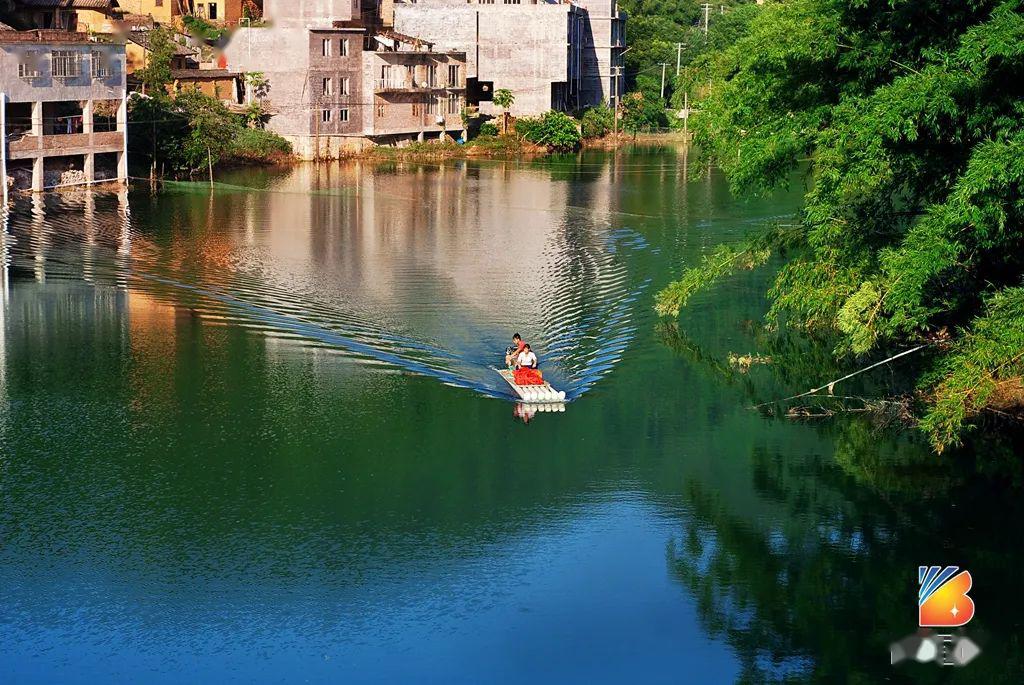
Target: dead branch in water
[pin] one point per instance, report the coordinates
(831, 384)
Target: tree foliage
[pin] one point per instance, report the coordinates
(156, 75)
(596, 121)
(657, 27)
(641, 112)
(555, 130)
(913, 117)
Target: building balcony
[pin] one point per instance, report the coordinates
(28, 146)
(404, 86)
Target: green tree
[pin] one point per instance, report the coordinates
(641, 112)
(911, 234)
(553, 129)
(211, 130)
(156, 75)
(596, 121)
(504, 98)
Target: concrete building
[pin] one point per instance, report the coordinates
(63, 109)
(164, 11)
(337, 84)
(85, 16)
(551, 55)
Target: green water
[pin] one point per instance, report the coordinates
(250, 435)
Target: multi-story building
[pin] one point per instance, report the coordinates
(164, 11)
(63, 109)
(604, 40)
(551, 55)
(85, 16)
(337, 83)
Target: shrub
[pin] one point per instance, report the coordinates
(526, 127)
(256, 144)
(642, 113)
(488, 129)
(597, 121)
(555, 130)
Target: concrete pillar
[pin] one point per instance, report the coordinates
(37, 118)
(3, 164)
(440, 136)
(87, 125)
(89, 167)
(419, 137)
(122, 126)
(122, 115)
(37, 174)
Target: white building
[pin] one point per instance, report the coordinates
(551, 55)
(62, 108)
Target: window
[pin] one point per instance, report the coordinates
(343, 47)
(201, 10)
(29, 67)
(66, 63)
(325, 116)
(431, 76)
(325, 47)
(382, 109)
(511, 2)
(343, 85)
(328, 87)
(343, 115)
(100, 66)
(431, 106)
(454, 103)
(453, 75)
(417, 109)
(213, 10)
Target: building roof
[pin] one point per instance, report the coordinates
(141, 38)
(73, 4)
(199, 74)
(5, 27)
(51, 36)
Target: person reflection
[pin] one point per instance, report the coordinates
(524, 412)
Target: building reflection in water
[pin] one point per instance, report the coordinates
(428, 267)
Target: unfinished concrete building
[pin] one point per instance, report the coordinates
(551, 55)
(63, 110)
(337, 84)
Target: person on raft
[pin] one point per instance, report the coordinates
(513, 351)
(526, 359)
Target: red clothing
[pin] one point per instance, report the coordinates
(528, 377)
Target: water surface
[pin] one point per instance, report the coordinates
(250, 434)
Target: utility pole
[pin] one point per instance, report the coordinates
(686, 118)
(679, 56)
(618, 90)
(707, 10)
(615, 114)
(663, 65)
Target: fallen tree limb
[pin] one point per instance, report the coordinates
(831, 384)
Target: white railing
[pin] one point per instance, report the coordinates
(393, 83)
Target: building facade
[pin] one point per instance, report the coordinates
(85, 16)
(551, 55)
(164, 11)
(63, 109)
(337, 84)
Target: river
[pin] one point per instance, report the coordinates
(251, 434)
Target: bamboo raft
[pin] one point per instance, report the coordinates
(535, 394)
